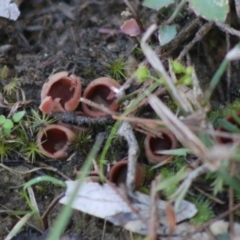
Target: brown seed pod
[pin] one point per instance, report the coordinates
(101, 91)
(53, 140)
(154, 144)
(61, 93)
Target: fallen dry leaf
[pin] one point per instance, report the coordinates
(104, 202)
(9, 10)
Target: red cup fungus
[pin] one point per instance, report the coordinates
(54, 140)
(101, 91)
(118, 173)
(61, 93)
(154, 144)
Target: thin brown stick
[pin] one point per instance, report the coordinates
(135, 15)
(98, 106)
(210, 196)
(199, 36)
(226, 28)
(49, 209)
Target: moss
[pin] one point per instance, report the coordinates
(5, 149)
(204, 213)
(220, 113)
(117, 69)
(167, 173)
(31, 151)
(179, 162)
(82, 142)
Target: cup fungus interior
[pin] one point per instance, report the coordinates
(159, 144)
(100, 94)
(62, 89)
(119, 174)
(54, 140)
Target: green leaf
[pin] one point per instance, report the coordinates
(4, 72)
(7, 126)
(2, 119)
(176, 152)
(157, 4)
(231, 181)
(212, 10)
(7, 131)
(178, 177)
(228, 126)
(18, 116)
(236, 118)
(166, 34)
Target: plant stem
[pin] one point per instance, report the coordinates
(176, 11)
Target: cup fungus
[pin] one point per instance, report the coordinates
(53, 140)
(101, 91)
(118, 173)
(61, 93)
(155, 144)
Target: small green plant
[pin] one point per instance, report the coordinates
(31, 151)
(7, 124)
(116, 69)
(142, 74)
(39, 121)
(179, 162)
(11, 86)
(89, 71)
(217, 182)
(226, 110)
(138, 53)
(168, 173)
(5, 149)
(82, 141)
(185, 73)
(204, 213)
(4, 72)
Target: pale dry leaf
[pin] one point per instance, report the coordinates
(9, 10)
(103, 201)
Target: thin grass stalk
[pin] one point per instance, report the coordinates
(65, 214)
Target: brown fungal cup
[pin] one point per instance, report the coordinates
(100, 91)
(53, 140)
(118, 173)
(154, 144)
(61, 93)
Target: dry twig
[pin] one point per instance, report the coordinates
(125, 130)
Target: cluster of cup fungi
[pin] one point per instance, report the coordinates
(62, 92)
